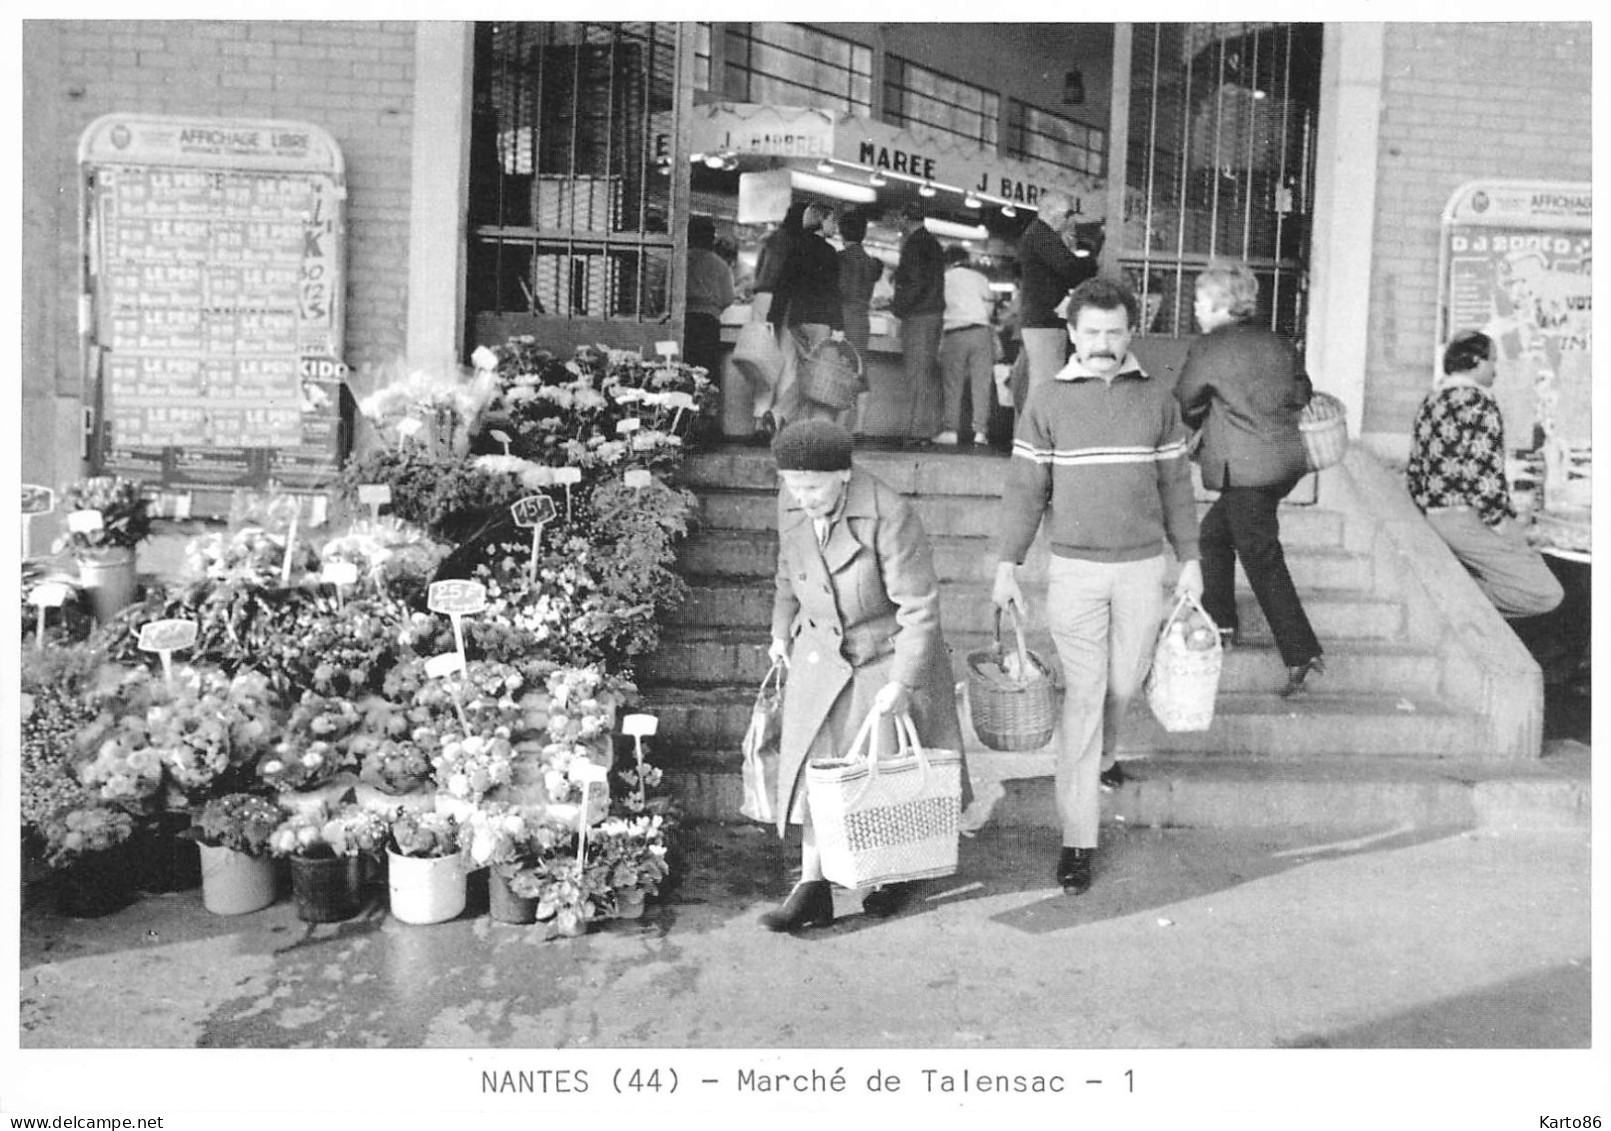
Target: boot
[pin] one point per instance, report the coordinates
(810, 904)
(1074, 870)
(882, 902)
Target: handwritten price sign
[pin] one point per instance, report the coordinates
(533, 510)
(457, 597)
(37, 500)
(86, 522)
(165, 637)
(47, 595)
(374, 496)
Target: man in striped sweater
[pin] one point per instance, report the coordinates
(1099, 458)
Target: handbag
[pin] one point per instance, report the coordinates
(761, 749)
(882, 819)
(831, 375)
(1184, 681)
(757, 355)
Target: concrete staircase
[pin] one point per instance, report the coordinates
(1430, 711)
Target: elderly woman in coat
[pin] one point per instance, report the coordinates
(1243, 388)
(857, 620)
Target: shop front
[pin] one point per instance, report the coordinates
(750, 161)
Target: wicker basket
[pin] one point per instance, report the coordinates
(1011, 714)
(1182, 685)
(1324, 427)
(831, 375)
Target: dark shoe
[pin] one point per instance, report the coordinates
(882, 902)
(1113, 777)
(810, 904)
(765, 428)
(1300, 672)
(1074, 870)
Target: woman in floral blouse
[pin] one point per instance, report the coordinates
(1457, 477)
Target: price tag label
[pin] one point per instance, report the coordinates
(629, 425)
(49, 594)
(167, 635)
(533, 510)
(457, 596)
(375, 494)
(666, 349)
(37, 500)
(86, 522)
(639, 726)
(499, 435)
(566, 476)
(339, 573)
(679, 400)
(439, 667)
(539, 476)
(638, 478)
(585, 772)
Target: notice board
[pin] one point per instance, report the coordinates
(1516, 264)
(212, 306)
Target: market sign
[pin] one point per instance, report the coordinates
(763, 129)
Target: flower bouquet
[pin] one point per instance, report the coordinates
(237, 873)
(315, 747)
(425, 872)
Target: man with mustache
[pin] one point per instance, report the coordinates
(1099, 458)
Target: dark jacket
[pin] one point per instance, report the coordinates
(1244, 387)
(858, 275)
(1048, 271)
(808, 288)
(919, 276)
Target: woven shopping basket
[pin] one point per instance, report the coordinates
(1324, 427)
(1011, 713)
(1183, 682)
(882, 819)
(831, 375)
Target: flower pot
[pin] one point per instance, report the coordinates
(504, 905)
(96, 884)
(109, 577)
(234, 883)
(326, 889)
(161, 859)
(629, 904)
(425, 889)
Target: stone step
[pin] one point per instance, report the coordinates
(753, 554)
(977, 516)
(713, 657)
(702, 723)
(1335, 615)
(1380, 797)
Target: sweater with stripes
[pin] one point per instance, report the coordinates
(1104, 463)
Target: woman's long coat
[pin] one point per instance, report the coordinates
(1245, 388)
(861, 610)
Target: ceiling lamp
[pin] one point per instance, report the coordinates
(827, 186)
(877, 180)
(926, 189)
(955, 231)
(1008, 211)
(825, 167)
(970, 201)
(715, 160)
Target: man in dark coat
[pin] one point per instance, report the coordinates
(1048, 269)
(919, 303)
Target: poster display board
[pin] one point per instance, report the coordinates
(212, 309)
(1516, 265)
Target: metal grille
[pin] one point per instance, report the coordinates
(1221, 163)
(915, 95)
(1044, 136)
(792, 65)
(570, 193)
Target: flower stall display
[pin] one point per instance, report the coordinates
(326, 846)
(107, 517)
(237, 872)
(319, 675)
(83, 840)
(425, 869)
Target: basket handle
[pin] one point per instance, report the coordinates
(906, 743)
(1018, 631)
(1184, 600)
(773, 675)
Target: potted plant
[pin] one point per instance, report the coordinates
(115, 519)
(499, 838)
(325, 847)
(83, 841)
(237, 872)
(425, 872)
(632, 853)
(569, 898)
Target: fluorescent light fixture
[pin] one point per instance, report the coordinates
(956, 231)
(825, 167)
(827, 186)
(1004, 288)
(970, 201)
(877, 180)
(926, 189)
(715, 160)
(1008, 211)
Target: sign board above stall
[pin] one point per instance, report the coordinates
(213, 294)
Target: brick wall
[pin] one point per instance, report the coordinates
(1460, 101)
(356, 80)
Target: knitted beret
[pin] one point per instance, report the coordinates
(813, 445)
